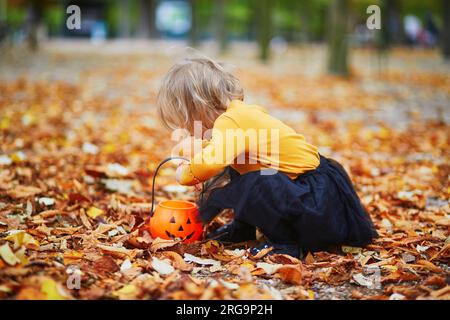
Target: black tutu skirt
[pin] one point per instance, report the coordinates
(318, 210)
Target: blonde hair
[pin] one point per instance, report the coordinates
(196, 89)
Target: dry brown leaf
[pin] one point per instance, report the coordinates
(159, 244)
(290, 274)
(23, 192)
(177, 261)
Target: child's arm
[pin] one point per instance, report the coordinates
(226, 144)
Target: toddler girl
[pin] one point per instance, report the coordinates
(300, 200)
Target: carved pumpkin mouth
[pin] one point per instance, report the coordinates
(179, 238)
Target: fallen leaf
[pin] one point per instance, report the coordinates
(397, 296)
(161, 266)
(127, 292)
(268, 268)
(116, 251)
(8, 255)
(159, 244)
(121, 186)
(353, 250)
(126, 265)
(52, 290)
(309, 258)
(94, 212)
(21, 238)
(23, 192)
(177, 261)
(45, 201)
(290, 274)
(190, 258)
(262, 253)
(362, 280)
(105, 265)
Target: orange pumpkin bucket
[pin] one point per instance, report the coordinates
(176, 219)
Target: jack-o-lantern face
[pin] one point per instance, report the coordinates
(176, 220)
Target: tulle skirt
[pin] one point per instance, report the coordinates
(318, 210)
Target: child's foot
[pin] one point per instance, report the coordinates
(235, 231)
(290, 249)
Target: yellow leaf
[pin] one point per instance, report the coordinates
(352, 250)
(22, 238)
(248, 265)
(124, 138)
(4, 123)
(71, 255)
(51, 290)
(109, 148)
(94, 212)
(21, 255)
(389, 267)
(8, 255)
(128, 291)
(383, 133)
(4, 288)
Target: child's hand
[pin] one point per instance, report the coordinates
(184, 176)
(180, 172)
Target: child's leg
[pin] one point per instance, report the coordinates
(257, 202)
(220, 198)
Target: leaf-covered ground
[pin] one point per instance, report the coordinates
(79, 142)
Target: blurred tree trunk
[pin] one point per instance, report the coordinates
(264, 28)
(194, 33)
(252, 21)
(124, 20)
(147, 27)
(220, 25)
(305, 19)
(392, 29)
(34, 23)
(3, 10)
(3, 23)
(445, 39)
(337, 38)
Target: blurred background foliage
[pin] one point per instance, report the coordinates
(270, 23)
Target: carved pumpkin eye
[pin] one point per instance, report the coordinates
(172, 220)
(188, 221)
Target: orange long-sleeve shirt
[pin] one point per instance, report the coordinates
(249, 139)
